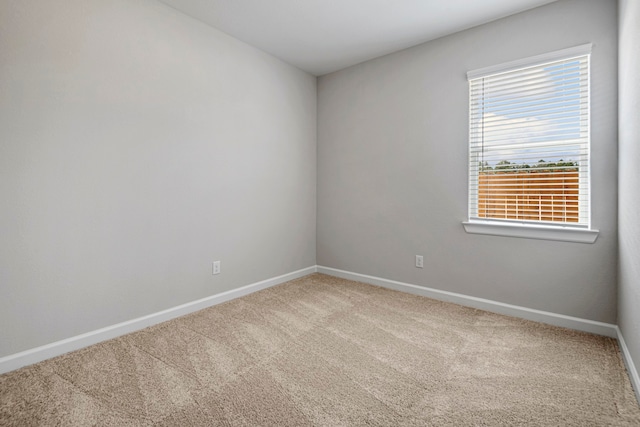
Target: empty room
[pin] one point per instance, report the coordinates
(319, 213)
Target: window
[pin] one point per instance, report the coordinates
(529, 144)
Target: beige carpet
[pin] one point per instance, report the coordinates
(322, 351)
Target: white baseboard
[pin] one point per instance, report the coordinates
(599, 328)
(575, 323)
(38, 354)
(631, 367)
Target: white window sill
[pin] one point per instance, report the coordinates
(529, 231)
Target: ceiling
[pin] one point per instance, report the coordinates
(321, 36)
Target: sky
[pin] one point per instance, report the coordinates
(528, 112)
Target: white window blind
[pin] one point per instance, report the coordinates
(529, 140)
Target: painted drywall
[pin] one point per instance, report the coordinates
(392, 168)
(629, 177)
(138, 145)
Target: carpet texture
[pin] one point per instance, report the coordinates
(323, 351)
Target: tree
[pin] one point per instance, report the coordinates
(484, 166)
(504, 165)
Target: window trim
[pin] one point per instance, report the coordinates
(557, 55)
(514, 228)
(530, 231)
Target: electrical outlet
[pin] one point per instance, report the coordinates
(419, 261)
(216, 267)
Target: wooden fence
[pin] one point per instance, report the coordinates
(540, 196)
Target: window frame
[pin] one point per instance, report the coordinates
(563, 231)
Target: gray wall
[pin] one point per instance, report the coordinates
(629, 177)
(392, 168)
(138, 145)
